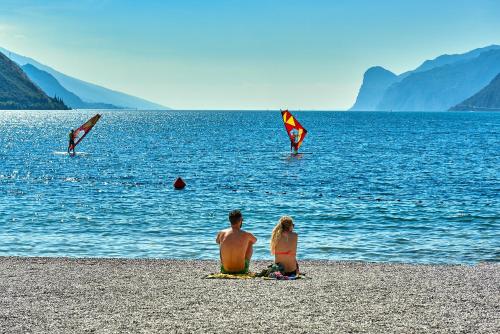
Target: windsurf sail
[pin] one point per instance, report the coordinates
(83, 130)
(295, 130)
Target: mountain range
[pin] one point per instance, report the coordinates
(17, 91)
(436, 85)
(90, 95)
(468, 81)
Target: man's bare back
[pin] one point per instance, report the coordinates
(236, 246)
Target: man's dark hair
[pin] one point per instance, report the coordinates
(235, 217)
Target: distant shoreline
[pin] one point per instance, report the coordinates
(262, 110)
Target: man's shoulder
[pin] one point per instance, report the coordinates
(249, 235)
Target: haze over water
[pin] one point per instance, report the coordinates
(402, 187)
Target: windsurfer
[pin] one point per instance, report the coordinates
(71, 144)
(295, 131)
(294, 143)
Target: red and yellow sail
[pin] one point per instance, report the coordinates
(292, 127)
(82, 131)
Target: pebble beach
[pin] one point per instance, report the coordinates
(63, 295)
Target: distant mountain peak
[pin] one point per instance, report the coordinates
(375, 81)
(377, 70)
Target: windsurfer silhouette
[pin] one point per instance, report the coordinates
(71, 144)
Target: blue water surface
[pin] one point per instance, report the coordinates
(387, 187)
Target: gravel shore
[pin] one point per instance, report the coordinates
(60, 295)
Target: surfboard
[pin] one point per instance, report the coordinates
(66, 153)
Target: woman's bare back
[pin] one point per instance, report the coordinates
(286, 251)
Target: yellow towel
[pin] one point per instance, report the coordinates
(230, 276)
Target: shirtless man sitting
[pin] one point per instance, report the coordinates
(236, 246)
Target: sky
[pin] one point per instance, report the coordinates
(235, 54)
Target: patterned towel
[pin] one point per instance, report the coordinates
(253, 275)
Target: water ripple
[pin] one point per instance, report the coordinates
(413, 187)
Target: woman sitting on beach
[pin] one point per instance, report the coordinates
(284, 246)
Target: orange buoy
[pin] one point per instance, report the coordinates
(179, 183)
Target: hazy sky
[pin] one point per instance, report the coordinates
(254, 54)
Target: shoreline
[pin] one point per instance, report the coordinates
(53, 294)
(258, 260)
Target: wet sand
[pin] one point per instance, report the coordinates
(59, 295)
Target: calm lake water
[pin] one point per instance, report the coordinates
(399, 187)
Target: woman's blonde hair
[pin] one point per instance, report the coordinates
(284, 224)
